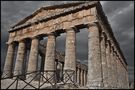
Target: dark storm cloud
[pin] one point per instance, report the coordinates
(120, 15)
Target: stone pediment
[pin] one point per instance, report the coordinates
(47, 11)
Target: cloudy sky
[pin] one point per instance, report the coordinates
(120, 15)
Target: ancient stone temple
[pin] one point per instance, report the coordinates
(107, 67)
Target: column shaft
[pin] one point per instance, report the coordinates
(32, 64)
(84, 76)
(20, 58)
(108, 64)
(94, 60)
(7, 72)
(70, 53)
(81, 77)
(112, 67)
(104, 60)
(77, 75)
(50, 56)
(117, 65)
(122, 76)
(115, 70)
(119, 74)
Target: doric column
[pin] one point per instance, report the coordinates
(50, 57)
(70, 54)
(126, 84)
(7, 72)
(122, 75)
(32, 63)
(94, 60)
(81, 77)
(119, 73)
(104, 60)
(20, 58)
(115, 69)
(84, 76)
(117, 66)
(112, 67)
(78, 75)
(108, 63)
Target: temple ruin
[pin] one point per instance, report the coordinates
(107, 67)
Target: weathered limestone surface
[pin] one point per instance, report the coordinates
(104, 60)
(115, 69)
(32, 64)
(70, 57)
(108, 64)
(122, 77)
(117, 65)
(112, 67)
(20, 58)
(94, 60)
(70, 52)
(119, 74)
(106, 68)
(50, 56)
(9, 61)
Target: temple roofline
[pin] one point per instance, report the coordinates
(21, 24)
(63, 5)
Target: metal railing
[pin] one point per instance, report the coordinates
(48, 77)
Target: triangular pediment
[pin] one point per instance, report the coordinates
(48, 11)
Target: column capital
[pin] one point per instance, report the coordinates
(115, 49)
(21, 40)
(104, 34)
(108, 42)
(115, 52)
(35, 37)
(112, 49)
(95, 23)
(53, 34)
(72, 29)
